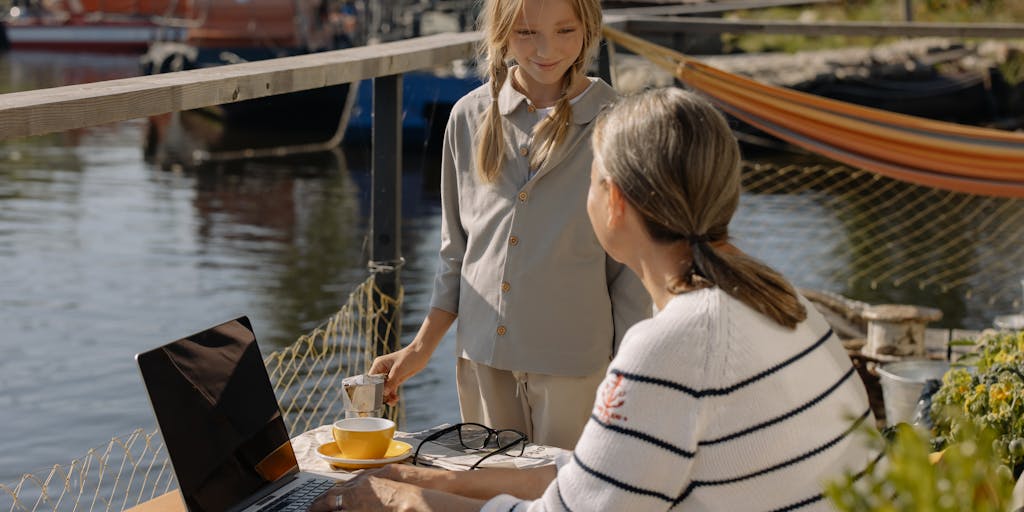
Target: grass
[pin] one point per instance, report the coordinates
(934, 11)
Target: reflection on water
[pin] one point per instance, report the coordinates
(108, 252)
(117, 238)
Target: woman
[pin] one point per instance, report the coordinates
(541, 307)
(736, 395)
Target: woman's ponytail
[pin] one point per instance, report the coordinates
(748, 280)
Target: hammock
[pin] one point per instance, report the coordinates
(925, 152)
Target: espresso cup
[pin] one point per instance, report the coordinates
(363, 438)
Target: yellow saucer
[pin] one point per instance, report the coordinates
(397, 451)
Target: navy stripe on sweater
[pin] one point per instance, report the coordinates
(781, 417)
(818, 497)
(619, 483)
(699, 393)
(683, 452)
(660, 443)
(800, 504)
(708, 483)
(799, 458)
(561, 498)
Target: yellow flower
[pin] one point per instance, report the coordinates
(997, 394)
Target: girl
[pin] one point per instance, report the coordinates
(542, 307)
(735, 396)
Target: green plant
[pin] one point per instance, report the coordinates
(987, 392)
(968, 476)
(1013, 67)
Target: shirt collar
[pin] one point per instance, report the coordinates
(583, 111)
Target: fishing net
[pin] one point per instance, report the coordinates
(306, 376)
(879, 240)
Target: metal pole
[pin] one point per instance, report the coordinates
(386, 203)
(908, 10)
(604, 61)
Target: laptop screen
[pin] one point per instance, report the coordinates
(218, 415)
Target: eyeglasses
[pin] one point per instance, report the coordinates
(474, 436)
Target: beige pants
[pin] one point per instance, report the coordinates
(550, 409)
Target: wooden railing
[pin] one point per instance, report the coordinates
(77, 106)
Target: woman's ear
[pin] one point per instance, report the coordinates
(616, 204)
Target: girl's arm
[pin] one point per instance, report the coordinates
(403, 364)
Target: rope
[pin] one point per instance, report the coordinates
(916, 150)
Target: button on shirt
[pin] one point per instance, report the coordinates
(520, 265)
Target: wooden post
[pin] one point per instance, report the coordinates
(908, 10)
(386, 202)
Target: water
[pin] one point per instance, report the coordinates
(106, 252)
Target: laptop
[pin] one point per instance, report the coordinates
(222, 426)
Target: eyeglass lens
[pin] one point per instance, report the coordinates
(515, 446)
(473, 436)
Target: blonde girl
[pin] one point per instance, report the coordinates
(541, 306)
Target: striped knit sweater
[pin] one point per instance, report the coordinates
(712, 406)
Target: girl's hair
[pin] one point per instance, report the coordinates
(675, 159)
(497, 20)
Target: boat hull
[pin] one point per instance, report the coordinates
(87, 37)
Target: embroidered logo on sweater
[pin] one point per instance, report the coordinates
(610, 397)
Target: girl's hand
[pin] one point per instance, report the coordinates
(399, 367)
(403, 364)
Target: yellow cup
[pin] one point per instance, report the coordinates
(363, 438)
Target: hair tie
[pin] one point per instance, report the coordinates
(698, 239)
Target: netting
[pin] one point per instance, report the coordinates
(306, 376)
(877, 239)
(933, 153)
(945, 231)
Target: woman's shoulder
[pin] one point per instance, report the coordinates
(690, 315)
(713, 319)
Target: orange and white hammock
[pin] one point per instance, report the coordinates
(932, 153)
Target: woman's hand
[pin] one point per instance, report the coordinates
(367, 493)
(482, 484)
(372, 493)
(430, 478)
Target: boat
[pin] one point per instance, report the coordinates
(230, 31)
(91, 26)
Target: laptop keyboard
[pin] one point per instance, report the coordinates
(299, 498)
